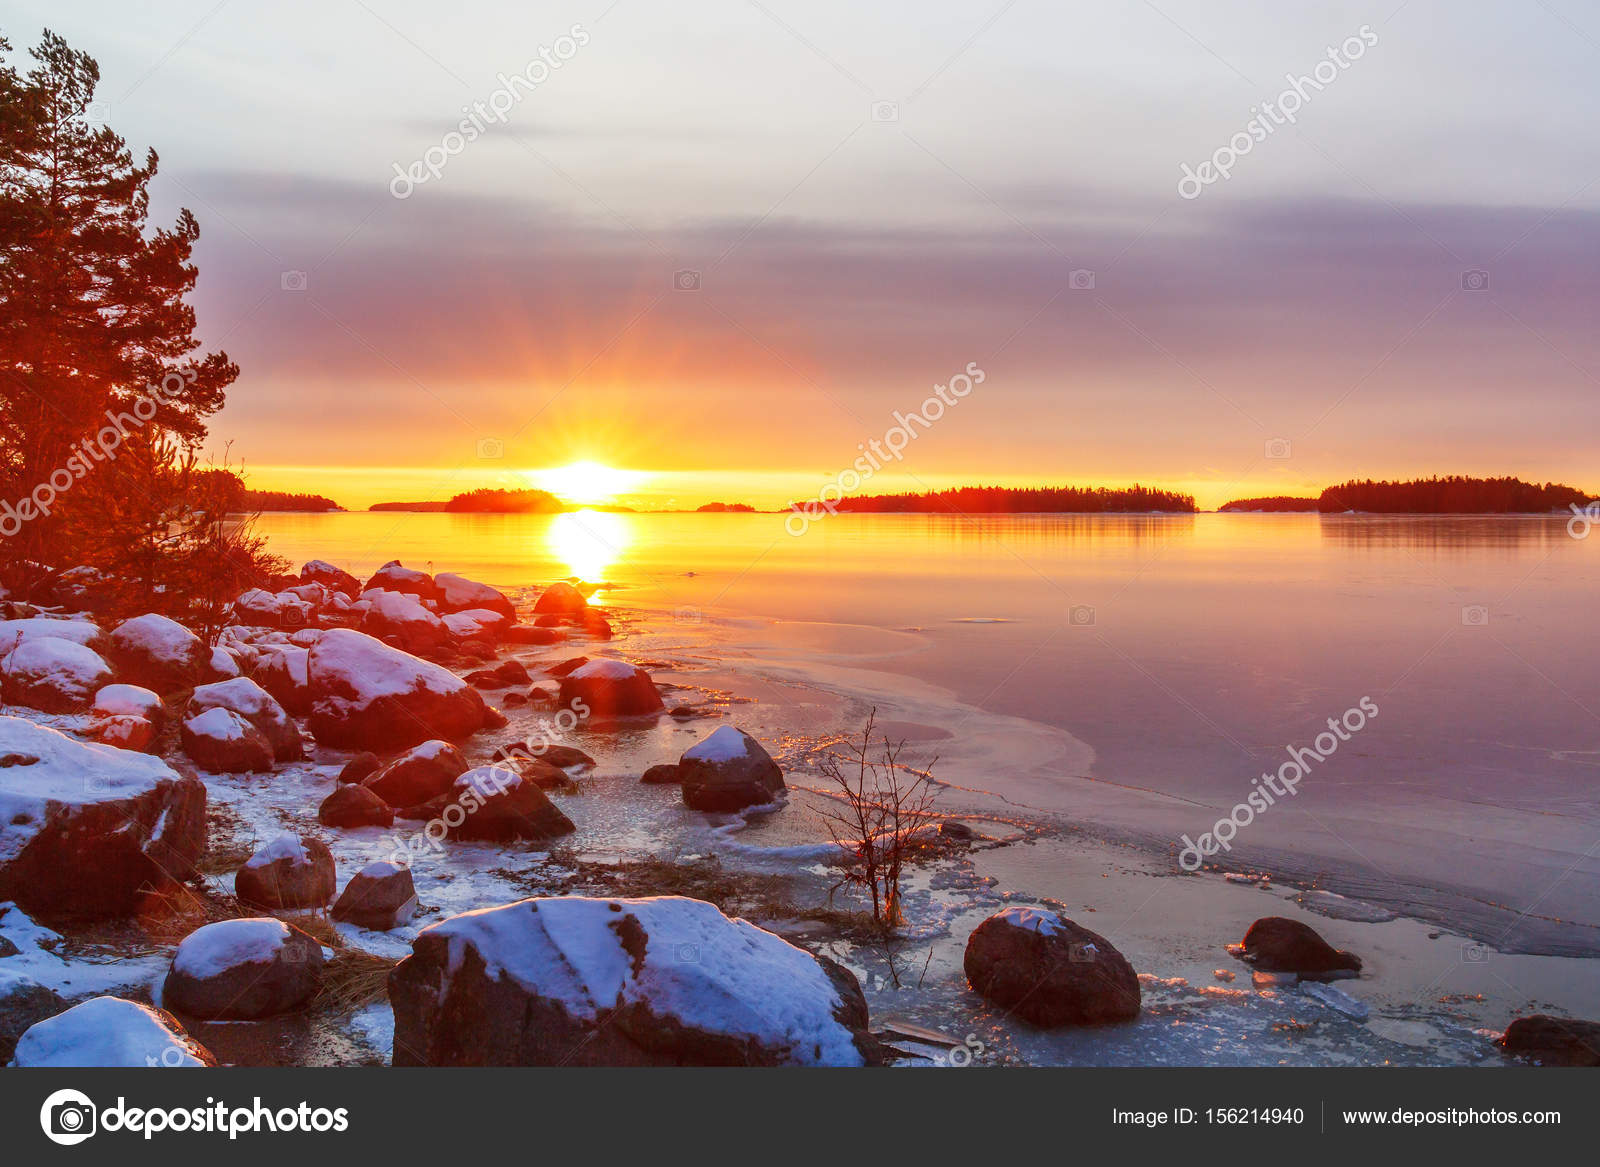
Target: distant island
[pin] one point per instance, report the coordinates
(277, 500)
(998, 500)
(424, 507)
(1452, 495)
(490, 501)
(725, 508)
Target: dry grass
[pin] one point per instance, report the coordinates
(352, 980)
(229, 842)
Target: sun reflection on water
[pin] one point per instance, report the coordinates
(589, 542)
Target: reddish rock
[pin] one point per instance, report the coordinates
(1278, 944)
(419, 775)
(290, 873)
(1050, 971)
(354, 806)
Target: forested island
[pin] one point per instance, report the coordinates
(1001, 500)
(1451, 495)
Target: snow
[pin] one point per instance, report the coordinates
(1031, 919)
(346, 659)
(460, 592)
(240, 694)
(223, 663)
(219, 725)
(104, 1032)
(127, 701)
(724, 744)
(700, 968)
(319, 567)
(65, 665)
(77, 631)
(283, 847)
(608, 669)
(67, 772)
(216, 948)
(162, 638)
(472, 623)
(1336, 999)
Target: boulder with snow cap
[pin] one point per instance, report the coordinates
(665, 981)
(457, 593)
(728, 771)
(124, 733)
(283, 671)
(380, 896)
(241, 970)
(560, 599)
(394, 577)
(158, 653)
(129, 701)
(334, 578)
(499, 804)
(400, 619)
(274, 609)
(1049, 971)
(110, 1033)
(367, 695)
(291, 873)
(419, 775)
(56, 676)
(253, 703)
(84, 829)
(223, 742)
(13, 632)
(608, 688)
(477, 624)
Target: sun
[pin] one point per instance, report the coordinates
(586, 482)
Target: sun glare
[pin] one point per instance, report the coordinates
(586, 482)
(588, 542)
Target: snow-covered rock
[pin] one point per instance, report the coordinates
(393, 577)
(380, 896)
(273, 609)
(291, 872)
(159, 653)
(250, 701)
(460, 594)
(500, 804)
(1050, 971)
(23, 1002)
(57, 676)
(608, 688)
(662, 981)
(728, 771)
(125, 733)
(85, 828)
(329, 576)
(400, 619)
(561, 599)
(367, 695)
(109, 1032)
(239, 970)
(129, 701)
(477, 624)
(77, 631)
(223, 742)
(419, 775)
(283, 672)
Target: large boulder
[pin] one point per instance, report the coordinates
(393, 577)
(608, 688)
(23, 1002)
(110, 1033)
(360, 767)
(665, 981)
(129, 701)
(13, 632)
(274, 609)
(728, 771)
(84, 829)
(419, 775)
(1049, 971)
(291, 873)
(1278, 944)
(333, 578)
(1554, 1041)
(53, 675)
(241, 970)
(560, 599)
(253, 703)
(500, 805)
(380, 896)
(283, 671)
(159, 653)
(366, 695)
(354, 806)
(125, 733)
(477, 625)
(457, 593)
(400, 619)
(223, 742)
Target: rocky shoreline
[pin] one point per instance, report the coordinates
(285, 832)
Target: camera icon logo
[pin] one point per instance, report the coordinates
(1475, 616)
(688, 616)
(1475, 280)
(686, 280)
(1080, 616)
(885, 111)
(688, 953)
(1277, 448)
(292, 616)
(68, 1117)
(1083, 952)
(98, 111)
(293, 281)
(1081, 279)
(491, 449)
(1475, 953)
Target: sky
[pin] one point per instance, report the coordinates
(722, 243)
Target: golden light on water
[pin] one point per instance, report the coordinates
(586, 482)
(588, 542)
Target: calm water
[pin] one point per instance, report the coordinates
(1186, 652)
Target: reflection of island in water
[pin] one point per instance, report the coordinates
(1446, 532)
